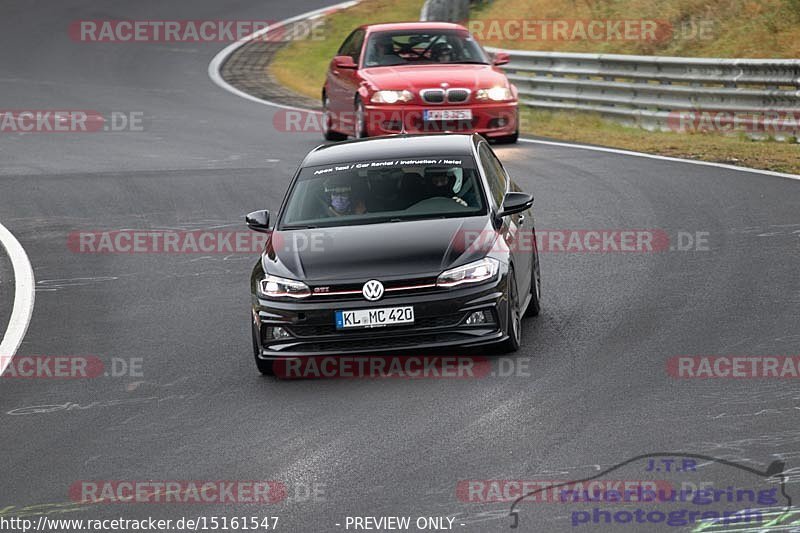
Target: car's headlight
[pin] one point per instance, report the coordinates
(475, 272)
(497, 94)
(275, 287)
(391, 97)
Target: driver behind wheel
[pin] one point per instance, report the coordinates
(441, 183)
(442, 52)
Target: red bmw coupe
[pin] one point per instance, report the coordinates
(417, 77)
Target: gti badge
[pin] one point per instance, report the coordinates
(372, 290)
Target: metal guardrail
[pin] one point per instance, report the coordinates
(445, 10)
(667, 93)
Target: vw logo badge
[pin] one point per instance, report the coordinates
(372, 290)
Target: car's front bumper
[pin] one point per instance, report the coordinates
(488, 119)
(439, 318)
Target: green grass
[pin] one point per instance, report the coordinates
(731, 28)
(734, 150)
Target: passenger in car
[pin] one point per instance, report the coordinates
(382, 53)
(343, 199)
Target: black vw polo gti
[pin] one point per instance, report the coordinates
(395, 244)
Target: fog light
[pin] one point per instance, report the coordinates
(478, 317)
(280, 333)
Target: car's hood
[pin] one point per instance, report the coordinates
(416, 77)
(399, 249)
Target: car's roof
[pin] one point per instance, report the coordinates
(399, 26)
(391, 146)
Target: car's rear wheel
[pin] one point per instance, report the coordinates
(265, 366)
(359, 122)
(513, 316)
(327, 132)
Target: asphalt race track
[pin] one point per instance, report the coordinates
(590, 388)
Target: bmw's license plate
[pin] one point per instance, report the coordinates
(447, 114)
(373, 318)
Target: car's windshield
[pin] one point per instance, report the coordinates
(367, 192)
(422, 47)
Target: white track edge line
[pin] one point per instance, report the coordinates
(664, 158)
(24, 295)
(216, 64)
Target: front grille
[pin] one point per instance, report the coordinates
(352, 291)
(433, 96)
(457, 95)
(438, 96)
(312, 330)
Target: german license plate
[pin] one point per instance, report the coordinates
(447, 114)
(374, 318)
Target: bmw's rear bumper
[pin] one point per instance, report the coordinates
(439, 317)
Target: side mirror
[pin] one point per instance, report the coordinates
(515, 202)
(258, 221)
(345, 62)
(501, 58)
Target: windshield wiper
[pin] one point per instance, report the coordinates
(299, 226)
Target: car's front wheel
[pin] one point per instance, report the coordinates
(360, 122)
(513, 316)
(265, 366)
(508, 139)
(536, 285)
(327, 120)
